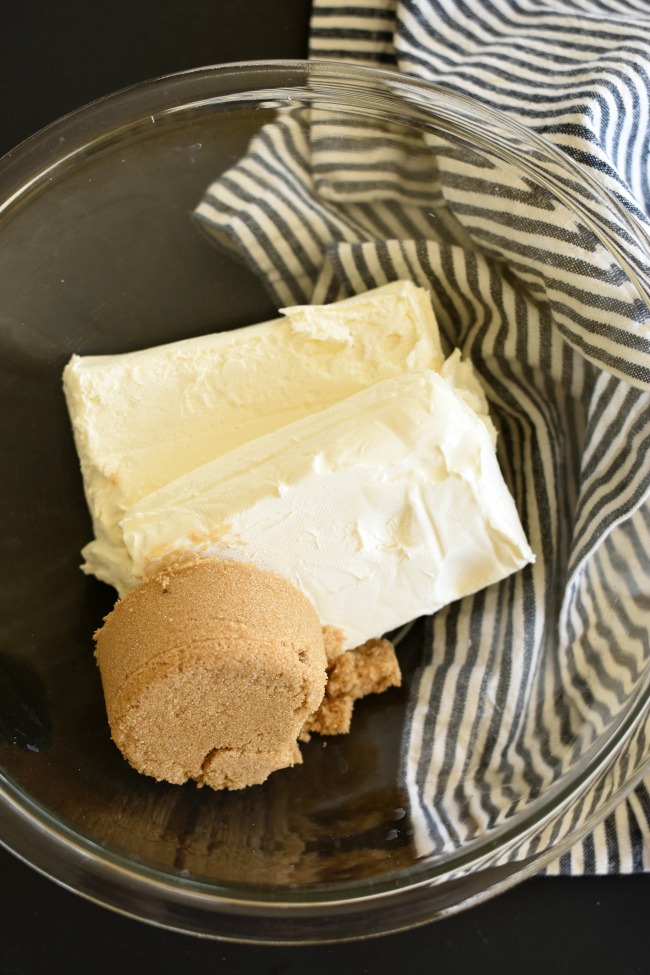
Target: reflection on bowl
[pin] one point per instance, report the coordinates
(521, 721)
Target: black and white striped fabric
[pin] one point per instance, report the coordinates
(507, 698)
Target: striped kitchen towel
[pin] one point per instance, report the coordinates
(519, 680)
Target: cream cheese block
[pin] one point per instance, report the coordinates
(381, 508)
(143, 419)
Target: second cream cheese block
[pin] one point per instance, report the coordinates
(142, 419)
(381, 508)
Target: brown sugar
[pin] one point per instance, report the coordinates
(213, 670)
(210, 670)
(353, 674)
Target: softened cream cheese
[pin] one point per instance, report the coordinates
(143, 419)
(380, 508)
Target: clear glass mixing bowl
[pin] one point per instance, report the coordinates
(99, 254)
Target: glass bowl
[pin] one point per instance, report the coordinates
(101, 252)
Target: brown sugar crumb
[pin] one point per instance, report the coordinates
(333, 639)
(333, 717)
(369, 669)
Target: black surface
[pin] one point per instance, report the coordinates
(543, 926)
(55, 58)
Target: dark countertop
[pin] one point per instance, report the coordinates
(563, 926)
(57, 57)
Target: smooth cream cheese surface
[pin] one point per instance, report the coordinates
(380, 508)
(143, 419)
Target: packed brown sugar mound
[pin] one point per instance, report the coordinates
(210, 670)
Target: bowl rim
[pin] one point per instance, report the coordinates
(48, 140)
(147, 900)
(89, 126)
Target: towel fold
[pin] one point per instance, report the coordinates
(517, 683)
